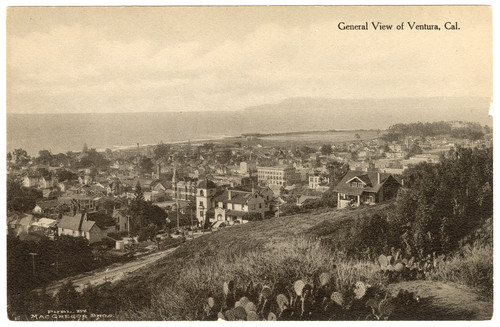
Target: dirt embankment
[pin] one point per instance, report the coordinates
(447, 301)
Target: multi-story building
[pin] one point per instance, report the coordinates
(316, 180)
(183, 188)
(206, 190)
(278, 175)
(247, 167)
(235, 203)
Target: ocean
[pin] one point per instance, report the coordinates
(68, 132)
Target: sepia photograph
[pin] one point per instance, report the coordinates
(249, 163)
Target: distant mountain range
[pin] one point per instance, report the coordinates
(376, 113)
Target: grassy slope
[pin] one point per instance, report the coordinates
(274, 251)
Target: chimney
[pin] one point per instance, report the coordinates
(229, 194)
(378, 178)
(82, 217)
(402, 182)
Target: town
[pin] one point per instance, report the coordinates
(112, 207)
(210, 185)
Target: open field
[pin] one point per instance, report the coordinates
(320, 137)
(311, 138)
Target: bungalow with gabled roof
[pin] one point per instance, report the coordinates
(359, 187)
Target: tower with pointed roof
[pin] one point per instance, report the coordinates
(205, 192)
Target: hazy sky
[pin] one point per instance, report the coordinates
(228, 58)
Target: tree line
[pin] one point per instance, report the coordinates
(398, 132)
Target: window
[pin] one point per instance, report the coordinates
(201, 203)
(201, 213)
(201, 193)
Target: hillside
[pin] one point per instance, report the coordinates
(275, 251)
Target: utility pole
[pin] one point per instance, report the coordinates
(33, 257)
(191, 212)
(177, 210)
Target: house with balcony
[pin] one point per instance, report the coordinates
(358, 187)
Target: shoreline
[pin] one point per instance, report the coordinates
(229, 137)
(226, 138)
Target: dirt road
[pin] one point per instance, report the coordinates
(109, 274)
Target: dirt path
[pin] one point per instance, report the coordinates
(110, 274)
(447, 301)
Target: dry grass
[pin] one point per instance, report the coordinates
(272, 251)
(182, 297)
(472, 267)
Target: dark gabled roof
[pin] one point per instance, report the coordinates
(121, 212)
(48, 204)
(73, 223)
(25, 220)
(304, 198)
(206, 184)
(369, 178)
(237, 197)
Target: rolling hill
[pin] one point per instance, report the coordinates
(274, 251)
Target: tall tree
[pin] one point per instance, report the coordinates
(44, 157)
(146, 165)
(21, 157)
(326, 149)
(138, 194)
(336, 170)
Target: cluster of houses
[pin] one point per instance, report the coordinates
(231, 183)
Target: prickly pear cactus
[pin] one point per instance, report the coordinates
(359, 290)
(272, 316)
(244, 301)
(399, 267)
(252, 316)
(337, 298)
(266, 292)
(298, 286)
(210, 302)
(229, 314)
(382, 260)
(250, 307)
(324, 278)
(240, 313)
(282, 302)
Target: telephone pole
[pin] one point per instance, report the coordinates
(33, 257)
